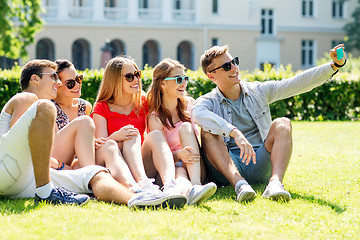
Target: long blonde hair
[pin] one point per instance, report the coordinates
(110, 89)
(154, 96)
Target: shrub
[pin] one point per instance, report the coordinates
(335, 100)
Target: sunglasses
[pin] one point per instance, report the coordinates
(70, 84)
(227, 66)
(54, 76)
(179, 80)
(131, 76)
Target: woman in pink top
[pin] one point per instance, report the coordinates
(120, 117)
(170, 114)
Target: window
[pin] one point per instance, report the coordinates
(307, 53)
(178, 4)
(215, 42)
(307, 8)
(78, 3)
(215, 6)
(110, 3)
(144, 4)
(45, 49)
(338, 8)
(267, 21)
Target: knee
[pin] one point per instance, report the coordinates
(85, 122)
(110, 145)
(47, 109)
(186, 128)
(155, 136)
(283, 125)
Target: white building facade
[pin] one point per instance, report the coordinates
(285, 32)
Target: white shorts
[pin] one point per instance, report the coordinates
(17, 178)
(16, 169)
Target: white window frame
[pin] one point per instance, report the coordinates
(340, 9)
(268, 20)
(305, 10)
(308, 52)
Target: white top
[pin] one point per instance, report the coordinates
(4, 122)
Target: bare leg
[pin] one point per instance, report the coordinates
(219, 157)
(188, 138)
(279, 144)
(157, 156)
(133, 157)
(106, 188)
(41, 133)
(110, 156)
(77, 138)
(182, 180)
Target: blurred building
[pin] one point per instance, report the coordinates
(285, 32)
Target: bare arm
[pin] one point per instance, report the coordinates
(100, 126)
(18, 105)
(88, 108)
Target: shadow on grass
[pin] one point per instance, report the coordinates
(312, 199)
(224, 193)
(16, 206)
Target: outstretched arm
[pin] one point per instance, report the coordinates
(303, 82)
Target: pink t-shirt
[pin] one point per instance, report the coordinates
(172, 135)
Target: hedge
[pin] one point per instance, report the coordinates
(338, 99)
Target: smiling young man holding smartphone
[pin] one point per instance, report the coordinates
(242, 143)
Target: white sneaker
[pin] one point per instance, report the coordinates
(176, 198)
(200, 193)
(148, 185)
(275, 191)
(245, 192)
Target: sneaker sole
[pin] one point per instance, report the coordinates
(61, 203)
(247, 196)
(207, 192)
(279, 197)
(85, 202)
(156, 203)
(174, 202)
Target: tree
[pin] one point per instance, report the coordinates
(19, 22)
(352, 29)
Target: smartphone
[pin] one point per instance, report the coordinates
(339, 53)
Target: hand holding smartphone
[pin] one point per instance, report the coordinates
(339, 53)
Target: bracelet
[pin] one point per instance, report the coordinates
(339, 66)
(62, 166)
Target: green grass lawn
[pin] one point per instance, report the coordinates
(323, 178)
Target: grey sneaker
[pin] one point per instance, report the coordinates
(275, 191)
(199, 193)
(176, 198)
(62, 196)
(147, 199)
(245, 193)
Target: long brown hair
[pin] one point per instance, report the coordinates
(110, 89)
(154, 96)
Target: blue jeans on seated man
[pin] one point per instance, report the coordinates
(253, 173)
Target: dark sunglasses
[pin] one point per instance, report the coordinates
(70, 84)
(131, 76)
(179, 80)
(54, 76)
(227, 66)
